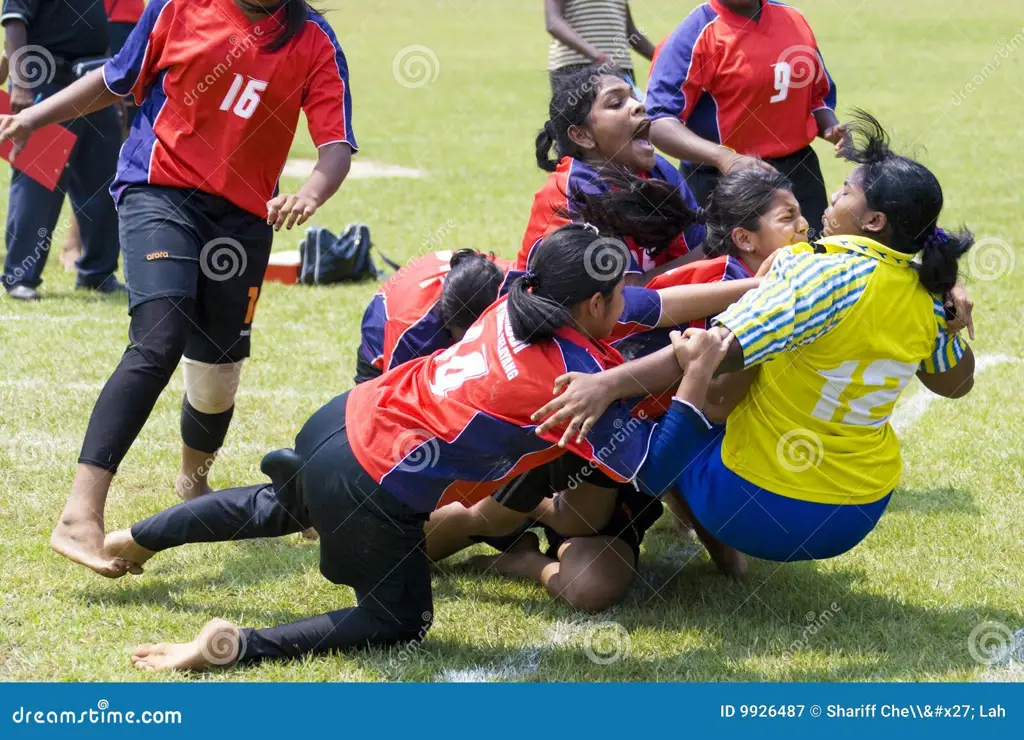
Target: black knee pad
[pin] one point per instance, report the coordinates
(204, 432)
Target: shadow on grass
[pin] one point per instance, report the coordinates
(933, 500)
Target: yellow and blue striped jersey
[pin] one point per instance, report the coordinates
(838, 334)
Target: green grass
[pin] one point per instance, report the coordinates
(946, 557)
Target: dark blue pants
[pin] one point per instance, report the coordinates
(32, 210)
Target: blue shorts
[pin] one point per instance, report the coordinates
(757, 522)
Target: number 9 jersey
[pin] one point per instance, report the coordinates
(217, 110)
(457, 424)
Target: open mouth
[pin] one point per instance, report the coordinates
(642, 133)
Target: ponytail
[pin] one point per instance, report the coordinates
(650, 211)
(546, 140)
(567, 268)
(938, 271)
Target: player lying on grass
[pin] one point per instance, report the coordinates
(751, 215)
(196, 189)
(370, 466)
(598, 129)
(807, 463)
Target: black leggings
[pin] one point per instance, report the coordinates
(368, 540)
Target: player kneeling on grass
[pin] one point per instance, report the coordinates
(838, 329)
(370, 466)
(751, 215)
(426, 306)
(196, 189)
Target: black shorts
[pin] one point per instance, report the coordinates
(529, 489)
(189, 244)
(364, 370)
(635, 512)
(801, 167)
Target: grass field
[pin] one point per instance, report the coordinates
(911, 603)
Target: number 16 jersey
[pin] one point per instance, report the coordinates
(218, 110)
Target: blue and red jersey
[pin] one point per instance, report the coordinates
(457, 424)
(403, 320)
(750, 86)
(564, 192)
(217, 110)
(635, 341)
(124, 11)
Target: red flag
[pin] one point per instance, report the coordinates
(46, 152)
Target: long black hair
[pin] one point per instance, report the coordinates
(650, 211)
(296, 13)
(738, 201)
(911, 198)
(571, 102)
(470, 287)
(569, 267)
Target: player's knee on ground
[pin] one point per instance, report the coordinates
(209, 402)
(595, 572)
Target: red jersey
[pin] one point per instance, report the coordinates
(751, 86)
(458, 422)
(217, 110)
(403, 320)
(574, 179)
(124, 11)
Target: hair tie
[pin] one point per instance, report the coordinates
(591, 228)
(937, 238)
(530, 279)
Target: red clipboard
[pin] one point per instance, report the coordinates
(46, 152)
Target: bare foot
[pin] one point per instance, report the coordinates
(218, 644)
(121, 545)
(188, 487)
(732, 563)
(528, 542)
(80, 539)
(69, 255)
(310, 534)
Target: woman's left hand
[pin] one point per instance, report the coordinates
(580, 399)
(288, 210)
(962, 306)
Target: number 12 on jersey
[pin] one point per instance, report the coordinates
(248, 100)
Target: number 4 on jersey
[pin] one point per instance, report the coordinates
(249, 99)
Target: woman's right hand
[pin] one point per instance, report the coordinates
(17, 129)
(580, 399)
(734, 162)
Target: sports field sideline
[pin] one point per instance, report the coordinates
(457, 89)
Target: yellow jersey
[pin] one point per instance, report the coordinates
(838, 330)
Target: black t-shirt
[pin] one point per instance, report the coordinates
(69, 29)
